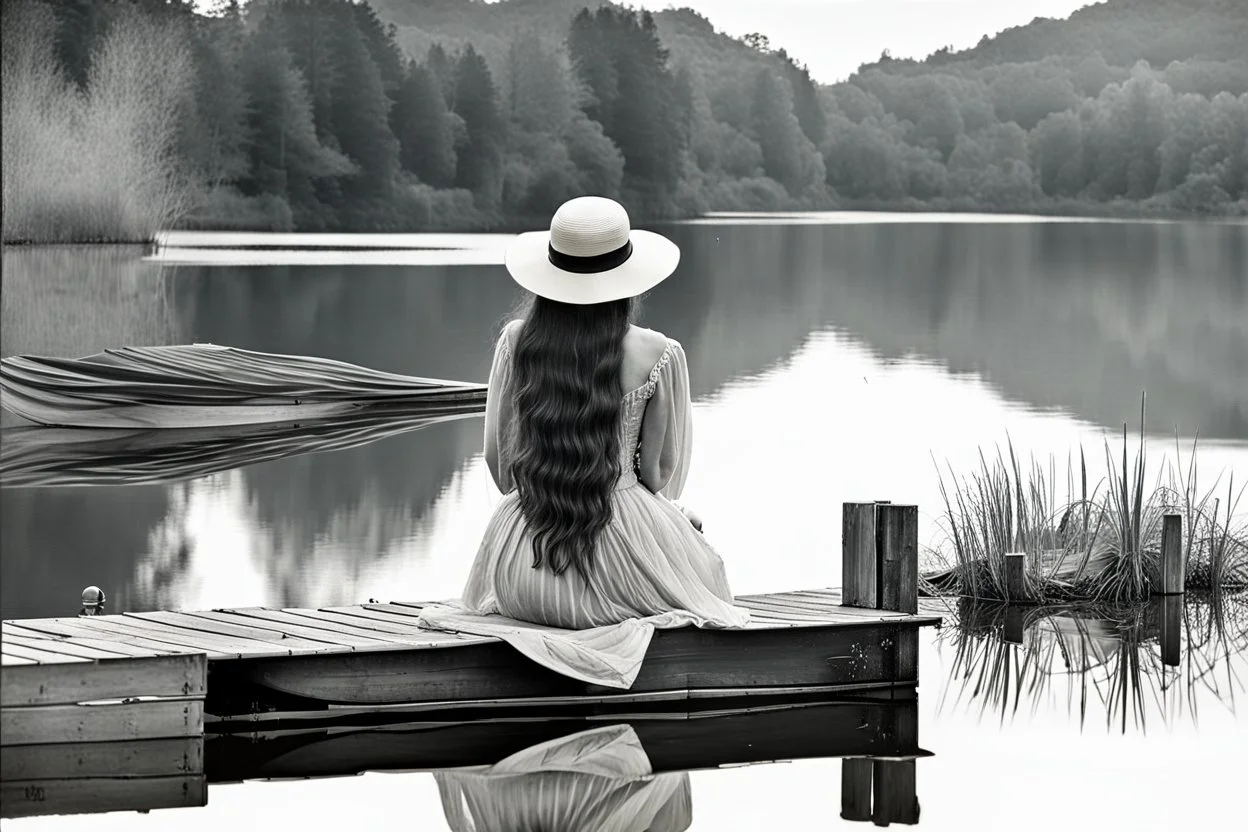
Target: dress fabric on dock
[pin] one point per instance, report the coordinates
(599, 780)
(651, 569)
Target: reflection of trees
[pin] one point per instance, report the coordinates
(54, 542)
(1123, 662)
(743, 299)
(1078, 316)
(350, 507)
(1081, 316)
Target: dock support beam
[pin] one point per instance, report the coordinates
(880, 556)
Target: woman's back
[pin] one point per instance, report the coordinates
(588, 434)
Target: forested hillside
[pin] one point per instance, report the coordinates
(124, 116)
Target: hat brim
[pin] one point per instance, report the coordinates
(653, 260)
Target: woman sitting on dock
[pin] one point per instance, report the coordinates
(588, 436)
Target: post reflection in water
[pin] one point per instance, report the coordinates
(1160, 661)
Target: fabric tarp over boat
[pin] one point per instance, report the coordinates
(205, 385)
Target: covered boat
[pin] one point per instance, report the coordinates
(205, 385)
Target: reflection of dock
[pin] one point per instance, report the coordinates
(266, 669)
(678, 735)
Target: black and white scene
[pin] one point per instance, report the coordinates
(581, 416)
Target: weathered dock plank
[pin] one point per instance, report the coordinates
(101, 723)
(84, 681)
(70, 628)
(38, 656)
(353, 617)
(214, 646)
(63, 647)
(292, 624)
(212, 624)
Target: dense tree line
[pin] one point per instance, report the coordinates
(319, 114)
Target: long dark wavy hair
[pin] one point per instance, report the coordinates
(566, 366)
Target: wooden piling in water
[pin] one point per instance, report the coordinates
(1016, 577)
(880, 556)
(1172, 565)
(897, 536)
(858, 569)
(856, 789)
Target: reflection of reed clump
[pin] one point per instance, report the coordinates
(1010, 658)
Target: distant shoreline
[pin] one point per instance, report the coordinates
(1089, 212)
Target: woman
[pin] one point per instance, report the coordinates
(587, 434)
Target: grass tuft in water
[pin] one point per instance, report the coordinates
(1100, 543)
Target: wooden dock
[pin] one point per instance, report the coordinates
(77, 693)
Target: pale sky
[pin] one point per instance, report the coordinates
(833, 37)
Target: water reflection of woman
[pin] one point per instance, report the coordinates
(594, 781)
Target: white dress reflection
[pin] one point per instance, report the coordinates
(594, 781)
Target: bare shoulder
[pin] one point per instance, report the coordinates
(643, 348)
(645, 343)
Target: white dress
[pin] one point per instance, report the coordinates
(651, 567)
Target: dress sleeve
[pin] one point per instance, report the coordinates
(499, 409)
(667, 426)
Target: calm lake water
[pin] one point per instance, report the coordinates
(832, 359)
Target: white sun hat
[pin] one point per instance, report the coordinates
(590, 255)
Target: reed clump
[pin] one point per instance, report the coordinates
(1097, 542)
(97, 163)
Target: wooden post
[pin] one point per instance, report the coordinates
(1171, 635)
(858, 560)
(895, 793)
(856, 789)
(897, 547)
(1016, 577)
(1172, 555)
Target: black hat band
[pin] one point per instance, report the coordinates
(590, 265)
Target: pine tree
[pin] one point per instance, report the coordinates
(806, 106)
(441, 68)
(776, 130)
(213, 141)
(360, 114)
(422, 124)
(618, 56)
(478, 167)
(286, 156)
